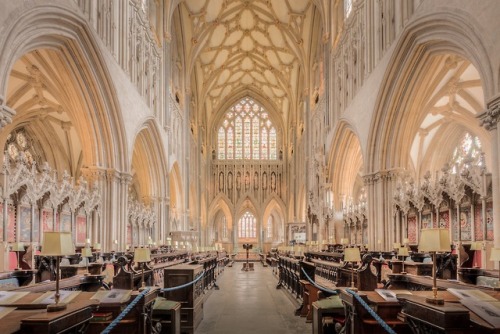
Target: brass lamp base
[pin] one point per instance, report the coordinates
(56, 307)
(435, 301)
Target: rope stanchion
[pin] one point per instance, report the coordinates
(184, 285)
(367, 307)
(333, 292)
(122, 315)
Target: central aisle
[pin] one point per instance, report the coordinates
(248, 302)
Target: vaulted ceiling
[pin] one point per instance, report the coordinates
(260, 48)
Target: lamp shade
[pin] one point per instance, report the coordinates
(406, 241)
(86, 252)
(97, 246)
(344, 241)
(396, 245)
(495, 254)
(475, 245)
(142, 255)
(434, 240)
(57, 244)
(403, 251)
(352, 254)
(17, 247)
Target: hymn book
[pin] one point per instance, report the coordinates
(473, 294)
(50, 298)
(489, 311)
(9, 297)
(113, 296)
(391, 295)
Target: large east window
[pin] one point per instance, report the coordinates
(247, 133)
(247, 226)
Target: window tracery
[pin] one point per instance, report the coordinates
(467, 153)
(247, 226)
(247, 133)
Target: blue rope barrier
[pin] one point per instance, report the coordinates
(333, 292)
(125, 312)
(381, 321)
(184, 285)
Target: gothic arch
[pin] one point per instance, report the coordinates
(148, 161)
(427, 38)
(346, 177)
(66, 34)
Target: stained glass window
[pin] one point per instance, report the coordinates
(467, 153)
(230, 144)
(270, 227)
(272, 144)
(248, 133)
(222, 143)
(247, 226)
(19, 141)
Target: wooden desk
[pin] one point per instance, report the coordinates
(75, 318)
(359, 321)
(452, 317)
(413, 283)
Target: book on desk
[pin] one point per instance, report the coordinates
(115, 296)
(391, 295)
(473, 294)
(489, 311)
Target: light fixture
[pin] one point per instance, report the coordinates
(406, 241)
(87, 253)
(434, 240)
(475, 246)
(344, 241)
(352, 255)
(142, 255)
(17, 247)
(403, 251)
(57, 244)
(495, 256)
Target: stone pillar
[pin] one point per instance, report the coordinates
(380, 213)
(489, 119)
(6, 113)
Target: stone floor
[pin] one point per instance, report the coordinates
(248, 302)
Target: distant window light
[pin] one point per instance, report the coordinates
(467, 153)
(347, 8)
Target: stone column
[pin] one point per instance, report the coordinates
(489, 119)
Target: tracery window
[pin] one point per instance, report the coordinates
(467, 153)
(270, 227)
(19, 141)
(247, 133)
(247, 226)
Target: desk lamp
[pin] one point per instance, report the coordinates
(344, 242)
(17, 247)
(475, 246)
(352, 255)
(87, 253)
(142, 255)
(403, 251)
(434, 240)
(57, 244)
(495, 256)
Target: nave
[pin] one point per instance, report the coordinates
(248, 302)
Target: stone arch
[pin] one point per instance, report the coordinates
(66, 34)
(346, 178)
(427, 37)
(149, 162)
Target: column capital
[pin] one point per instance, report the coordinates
(491, 116)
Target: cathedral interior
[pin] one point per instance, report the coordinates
(291, 125)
